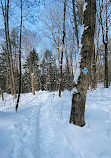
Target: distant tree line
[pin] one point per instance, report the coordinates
(37, 74)
(43, 74)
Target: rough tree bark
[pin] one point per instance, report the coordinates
(87, 40)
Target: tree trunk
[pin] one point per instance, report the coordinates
(106, 51)
(106, 67)
(87, 40)
(1, 92)
(63, 41)
(4, 11)
(9, 44)
(20, 65)
(75, 22)
(93, 76)
(105, 41)
(68, 71)
(33, 84)
(32, 75)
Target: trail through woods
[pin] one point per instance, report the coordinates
(41, 129)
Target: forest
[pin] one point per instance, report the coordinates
(59, 49)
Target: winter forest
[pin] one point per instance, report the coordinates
(55, 76)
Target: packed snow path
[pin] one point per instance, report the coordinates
(40, 128)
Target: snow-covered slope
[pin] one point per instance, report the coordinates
(41, 129)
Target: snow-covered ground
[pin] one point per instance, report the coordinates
(41, 129)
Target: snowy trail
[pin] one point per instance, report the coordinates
(28, 131)
(40, 128)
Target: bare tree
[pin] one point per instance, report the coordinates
(63, 45)
(5, 11)
(20, 66)
(103, 6)
(56, 25)
(32, 75)
(75, 22)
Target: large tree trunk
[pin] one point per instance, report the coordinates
(87, 48)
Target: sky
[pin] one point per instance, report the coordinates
(33, 11)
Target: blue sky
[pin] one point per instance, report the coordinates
(31, 16)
